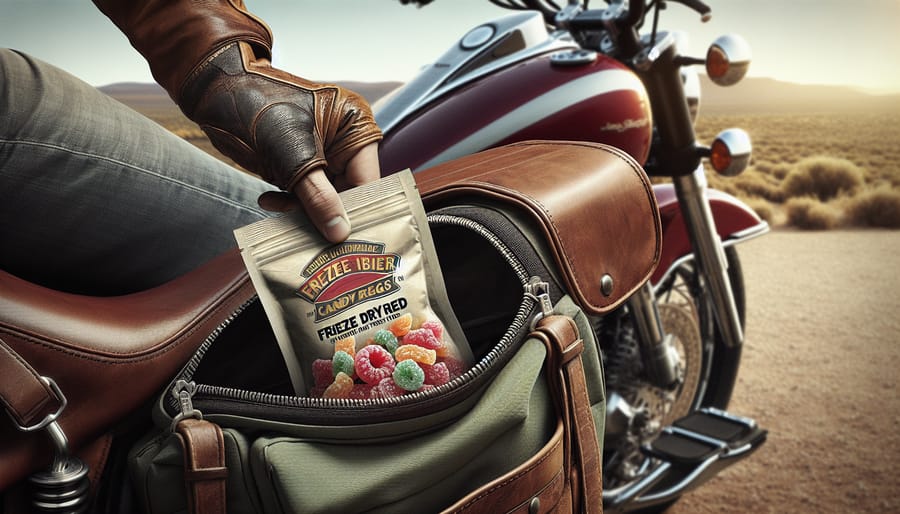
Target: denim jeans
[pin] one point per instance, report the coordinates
(97, 199)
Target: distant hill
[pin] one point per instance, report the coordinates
(752, 95)
(152, 96)
(761, 95)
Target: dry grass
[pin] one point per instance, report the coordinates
(847, 163)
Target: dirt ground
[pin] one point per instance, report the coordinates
(820, 372)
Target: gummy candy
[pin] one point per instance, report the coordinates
(401, 326)
(323, 374)
(361, 391)
(386, 339)
(422, 337)
(342, 362)
(416, 353)
(387, 388)
(340, 388)
(408, 375)
(437, 374)
(443, 350)
(373, 363)
(455, 367)
(346, 344)
(436, 328)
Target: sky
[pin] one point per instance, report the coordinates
(836, 42)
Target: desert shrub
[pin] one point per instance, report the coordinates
(781, 170)
(758, 184)
(875, 208)
(809, 214)
(822, 177)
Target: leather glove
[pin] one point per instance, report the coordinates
(273, 123)
(213, 57)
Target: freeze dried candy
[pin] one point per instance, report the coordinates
(318, 295)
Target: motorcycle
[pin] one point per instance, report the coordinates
(574, 73)
(671, 354)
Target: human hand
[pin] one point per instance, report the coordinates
(309, 139)
(317, 195)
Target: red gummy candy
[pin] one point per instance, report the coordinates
(436, 328)
(373, 363)
(455, 367)
(422, 337)
(387, 388)
(437, 374)
(361, 391)
(323, 375)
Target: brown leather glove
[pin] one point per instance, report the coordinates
(272, 122)
(213, 57)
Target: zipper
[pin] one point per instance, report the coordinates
(536, 303)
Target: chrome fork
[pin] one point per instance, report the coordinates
(710, 253)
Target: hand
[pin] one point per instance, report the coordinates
(292, 132)
(318, 195)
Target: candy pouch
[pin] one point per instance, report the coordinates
(365, 318)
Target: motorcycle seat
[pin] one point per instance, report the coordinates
(110, 355)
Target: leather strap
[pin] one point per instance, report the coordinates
(204, 465)
(565, 475)
(25, 396)
(536, 486)
(565, 347)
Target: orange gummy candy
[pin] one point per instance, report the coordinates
(401, 326)
(340, 388)
(416, 353)
(346, 344)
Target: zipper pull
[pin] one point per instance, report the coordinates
(539, 291)
(183, 392)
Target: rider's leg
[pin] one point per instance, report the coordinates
(98, 199)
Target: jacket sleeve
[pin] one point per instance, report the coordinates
(175, 36)
(214, 59)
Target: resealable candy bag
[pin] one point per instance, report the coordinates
(365, 318)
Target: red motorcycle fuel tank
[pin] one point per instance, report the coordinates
(601, 101)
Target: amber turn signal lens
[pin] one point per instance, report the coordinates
(717, 62)
(720, 156)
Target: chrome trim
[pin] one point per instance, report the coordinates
(644, 60)
(739, 146)
(691, 192)
(449, 71)
(737, 52)
(737, 237)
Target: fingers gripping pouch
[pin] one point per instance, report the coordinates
(364, 317)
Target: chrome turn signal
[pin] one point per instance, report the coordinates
(728, 59)
(730, 152)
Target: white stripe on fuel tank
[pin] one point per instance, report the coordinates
(567, 95)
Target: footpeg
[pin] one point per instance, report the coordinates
(689, 452)
(703, 434)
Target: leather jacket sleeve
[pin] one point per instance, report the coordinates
(214, 59)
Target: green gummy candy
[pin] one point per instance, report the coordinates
(408, 375)
(386, 339)
(342, 362)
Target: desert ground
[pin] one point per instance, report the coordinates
(820, 372)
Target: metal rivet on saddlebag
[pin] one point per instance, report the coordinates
(606, 285)
(535, 506)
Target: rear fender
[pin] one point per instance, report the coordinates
(735, 222)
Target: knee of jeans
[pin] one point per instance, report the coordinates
(18, 89)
